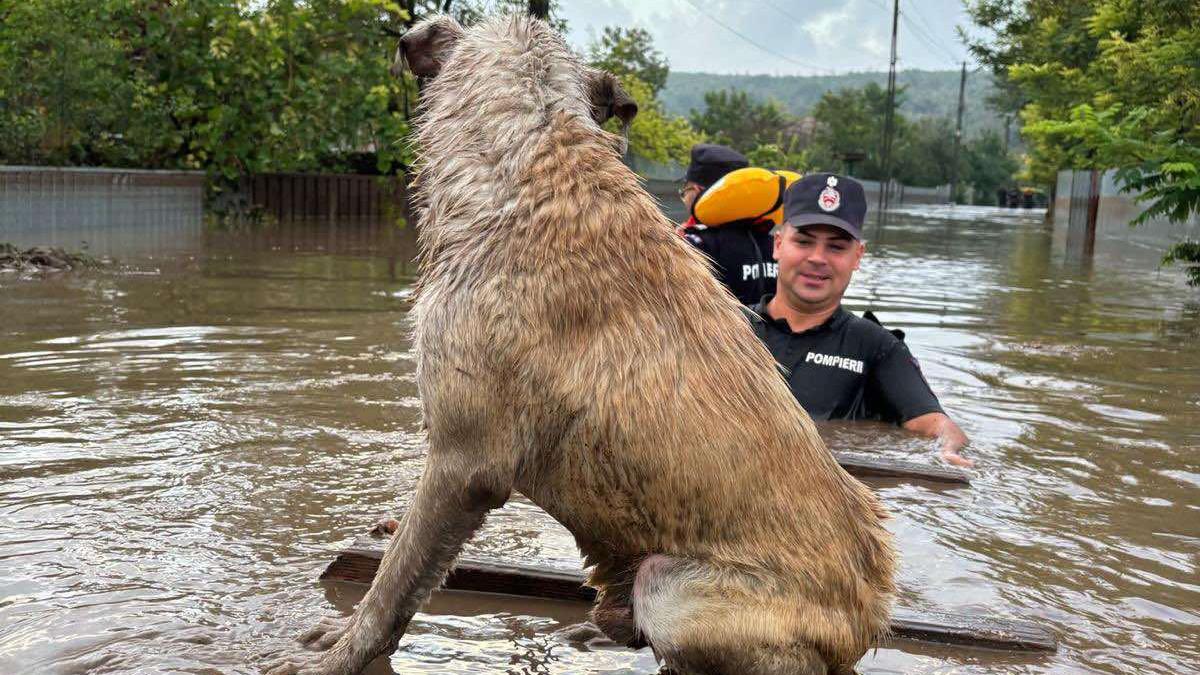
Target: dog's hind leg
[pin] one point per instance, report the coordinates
(684, 609)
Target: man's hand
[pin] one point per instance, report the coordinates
(938, 425)
(955, 457)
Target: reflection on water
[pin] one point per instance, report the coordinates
(185, 439)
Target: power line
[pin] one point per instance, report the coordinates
(755, 42)
(924, 38)
(924, 35)
(928, 30)
(927, 38)
(782, 11)
(916, 10)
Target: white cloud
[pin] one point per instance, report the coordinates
(828, 29)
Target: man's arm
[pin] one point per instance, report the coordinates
(938, 425)
(903, 389)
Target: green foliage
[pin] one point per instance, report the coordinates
(986, 167)
(654, 134)
(229, 86)
(630, 51)
(850, 122)
(467, 12)
(775, 156)
(1106, 84)
(924, 153)
(735, 119)
(1187, 252)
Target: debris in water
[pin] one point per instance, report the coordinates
(43, 259)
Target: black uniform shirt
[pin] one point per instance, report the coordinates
(848, 368)
(742, 253)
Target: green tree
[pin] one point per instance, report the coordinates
(735, 119)
(986, 167)
(850, 122)
(924, 152)
(775, 156)
(468, 12)
(654, 134)
(630, 51)
(230, 86)
(1106, 84)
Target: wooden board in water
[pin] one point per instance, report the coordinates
(359, 562)
(861, 465)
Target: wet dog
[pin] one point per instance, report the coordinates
(571, 347)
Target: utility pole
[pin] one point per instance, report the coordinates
(962, 87)
(1007, 132)
(886, 145)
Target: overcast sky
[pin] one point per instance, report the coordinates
(781, 37)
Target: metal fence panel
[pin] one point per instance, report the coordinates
(98, 209)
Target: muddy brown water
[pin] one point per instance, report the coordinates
(186, 437)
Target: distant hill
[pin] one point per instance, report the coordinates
(930, 92)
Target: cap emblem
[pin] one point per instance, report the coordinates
(829, 199)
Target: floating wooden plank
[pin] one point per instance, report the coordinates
(359, 562)
(861, 465)
(972, 631)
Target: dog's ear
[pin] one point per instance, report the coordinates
(609, 98)
(426, 46)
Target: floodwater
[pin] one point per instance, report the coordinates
(188, 436)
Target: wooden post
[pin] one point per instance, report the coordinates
(889, 118)
(1083, 209)
(962, 88)
(1093, 210)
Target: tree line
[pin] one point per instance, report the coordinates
(931, 93)
(231, 87)
(842, 132)
(226, 86)
(237, 87)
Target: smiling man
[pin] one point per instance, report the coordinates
(838, 365)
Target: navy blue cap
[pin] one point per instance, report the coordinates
(711, 162)
(826, 199)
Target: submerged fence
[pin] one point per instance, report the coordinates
(98, 208)
(290, 196)
(42, 199)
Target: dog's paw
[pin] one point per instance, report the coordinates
(385, 527)
(295, 664)
(585, 634)
(324, 635)
(316, 660)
